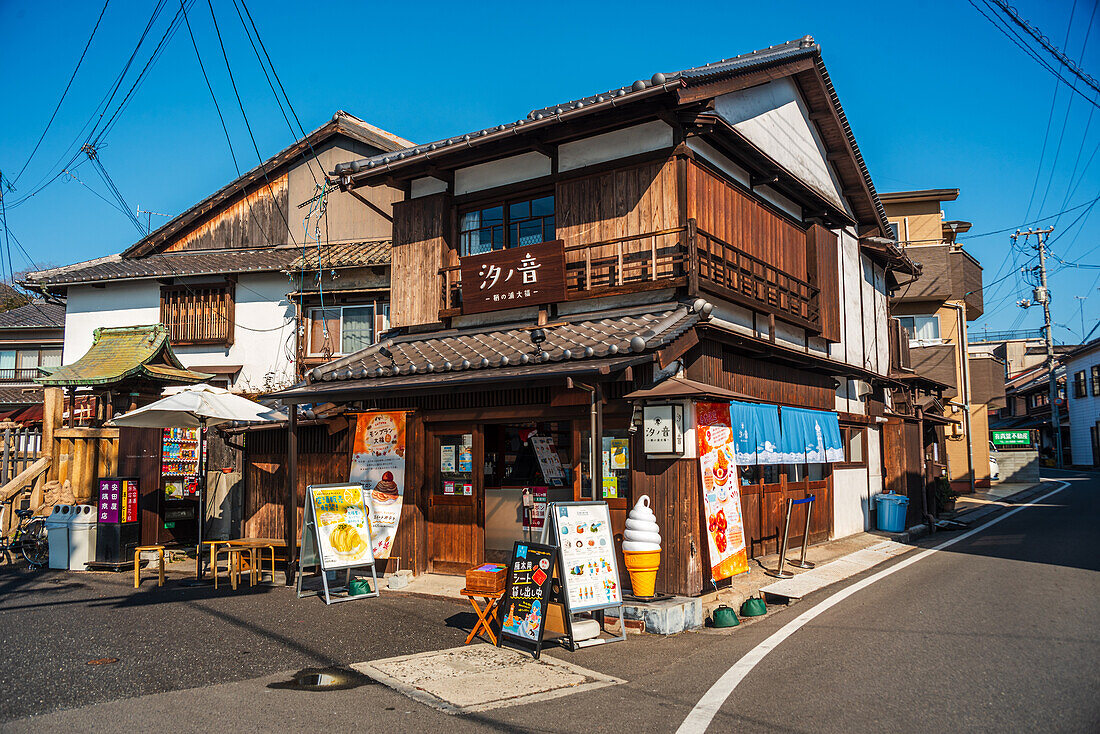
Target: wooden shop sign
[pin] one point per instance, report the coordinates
(512, 278)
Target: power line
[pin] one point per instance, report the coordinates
(1043, 41)
(221, 119)
(252, 137)
(64, 93)
(1018, 41)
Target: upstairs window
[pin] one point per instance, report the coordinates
(1080, 387)
(921, 328)
(1096, 379)
(509, 224)
(23, 364)
(346, 329)
(199, 314)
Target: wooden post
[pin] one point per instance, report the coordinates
(693, 259)
(290, 508)
(53, 406)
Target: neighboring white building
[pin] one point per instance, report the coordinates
(239, 278)
(1083, 399)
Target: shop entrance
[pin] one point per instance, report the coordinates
(489, 485)
(456, 502)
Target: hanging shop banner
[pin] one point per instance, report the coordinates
(339, 522)
(549, 461)
(118, 500)
(590, 573)
(721, 490)
(527, 594)
(378, 463)
(513, 277)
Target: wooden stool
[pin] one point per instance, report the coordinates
(233, 555)
(485, 615)
(160, 559)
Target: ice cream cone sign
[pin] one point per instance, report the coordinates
(642, 547)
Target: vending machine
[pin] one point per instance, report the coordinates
(179, 481)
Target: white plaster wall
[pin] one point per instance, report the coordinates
(426, 187)
(851, 501)
(774, 117)
(263, 337)
(501, 172)
(869, 317)
(614, 145)
(1083, 412)
(850, 349)
(724, 164)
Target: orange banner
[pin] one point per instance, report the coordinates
(721, 490)
(378, 463)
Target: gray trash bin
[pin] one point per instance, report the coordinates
(57, 533)
(82, 537)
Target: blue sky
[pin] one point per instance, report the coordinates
(937, 96)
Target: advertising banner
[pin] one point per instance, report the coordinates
(378, 463)
(590, 573)
(721, 490)
(527, 593)
(343, 526)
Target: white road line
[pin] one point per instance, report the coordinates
(707, 707)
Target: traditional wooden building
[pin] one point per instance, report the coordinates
(708, 235)
(254, 280)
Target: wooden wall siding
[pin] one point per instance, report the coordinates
(420, 231)
(258, 219)
(902, 454)
(139, 456)
(325, 458)
(764, 509)
(726, 212)
(716, 364)
(675, 497)
(625, 203)
(823, 266)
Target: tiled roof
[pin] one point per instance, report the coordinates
(115, 267)
(801, 48)
(344, 255)
(20, 394)
(37, 314)
(126, 352)
(598, 335)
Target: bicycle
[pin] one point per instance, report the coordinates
(29, 539)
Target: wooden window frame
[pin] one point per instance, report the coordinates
(1080, 384)
(846, 431)
(191, 320)
(378, 304)
(506, 221)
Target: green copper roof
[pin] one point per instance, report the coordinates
(126, 352)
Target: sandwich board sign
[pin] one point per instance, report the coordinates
(589, 569)
(527, 594)
(336, 535)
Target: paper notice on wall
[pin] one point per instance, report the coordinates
(549, 462)
(447, 459)
(378, 463)
(721, 491)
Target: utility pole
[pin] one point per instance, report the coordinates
(1042, 295)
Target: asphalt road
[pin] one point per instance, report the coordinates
(997, 632)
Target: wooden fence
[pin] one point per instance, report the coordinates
(20, 470)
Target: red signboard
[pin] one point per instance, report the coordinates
(512, 278)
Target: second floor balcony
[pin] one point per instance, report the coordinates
(687, 258)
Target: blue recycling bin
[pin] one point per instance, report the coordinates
(890, 510)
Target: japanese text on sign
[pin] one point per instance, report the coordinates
(514, 277)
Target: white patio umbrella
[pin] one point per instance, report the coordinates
(200, 406)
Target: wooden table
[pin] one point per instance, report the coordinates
(485, 615)
(254, 546)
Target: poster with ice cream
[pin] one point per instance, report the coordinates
(378, 463)
(721, 490)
